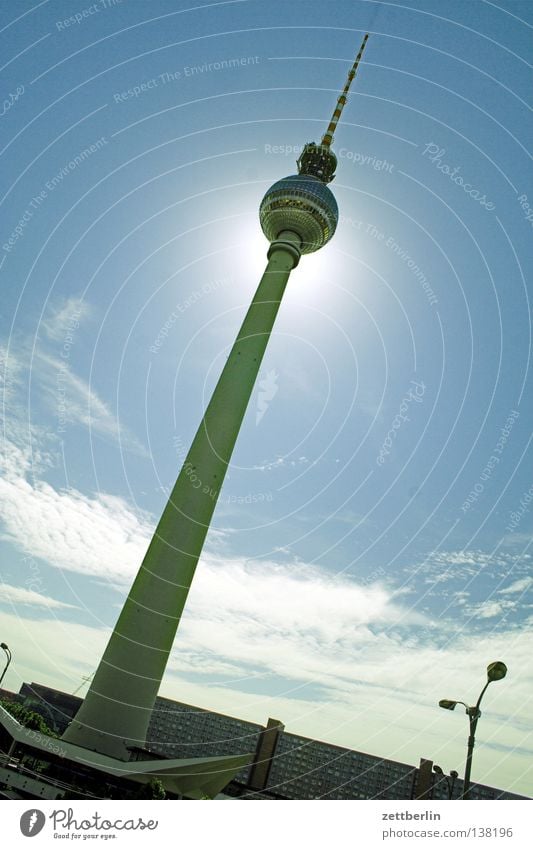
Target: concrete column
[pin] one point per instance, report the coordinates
(264, 754)
(117, 708)
(423, 788)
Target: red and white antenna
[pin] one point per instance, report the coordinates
(327, 138)
(318, 160)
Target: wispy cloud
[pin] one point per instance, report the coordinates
(489, 609)
(62, 390)
(294, 621)
(64, 317)
(267, 390)
(14, 596)
(520, 586)
(370, 663)
(361, 648)
(444, 566)
(99, 535)
(282, 463)
(40, 372)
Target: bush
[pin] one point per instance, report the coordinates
(28, 718)
(153, 790)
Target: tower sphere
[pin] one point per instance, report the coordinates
(303, 204)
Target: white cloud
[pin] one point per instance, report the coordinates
(20, 595)
(96, 535)
(519, 586)
(33, 370)
(64, 317)
(49, 650)
(283, 462)
(102, 536)
(10, 375)
(375, 663)
(488, 609)
(379, 675)
(379, 695)
(441, 566)
(73, 401)
(295, 622)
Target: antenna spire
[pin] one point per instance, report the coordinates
(327, 138)
(318, 160)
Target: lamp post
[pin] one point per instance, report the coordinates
(7, 651)
(495, 672)
(450, 784)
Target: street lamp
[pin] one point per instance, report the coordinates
(450, 784)
(8, 655)
(495, 672)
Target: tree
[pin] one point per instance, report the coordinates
(28, 718)
(152, 790)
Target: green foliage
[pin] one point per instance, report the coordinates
(28, 718)
(153, 790)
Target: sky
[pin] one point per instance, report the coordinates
(370, 552)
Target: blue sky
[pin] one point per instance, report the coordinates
(370, 552)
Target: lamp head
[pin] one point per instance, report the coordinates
(447, 704)
(496, 671)
(438, 769)
(453, 773)
(4, 646)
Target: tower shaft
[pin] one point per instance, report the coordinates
(298, 214)
(116, 710)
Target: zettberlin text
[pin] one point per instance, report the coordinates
(407, 815)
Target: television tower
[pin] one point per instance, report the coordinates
(298, 215)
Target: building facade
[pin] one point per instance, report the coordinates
(286, 766)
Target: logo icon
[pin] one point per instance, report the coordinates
(32, 822)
